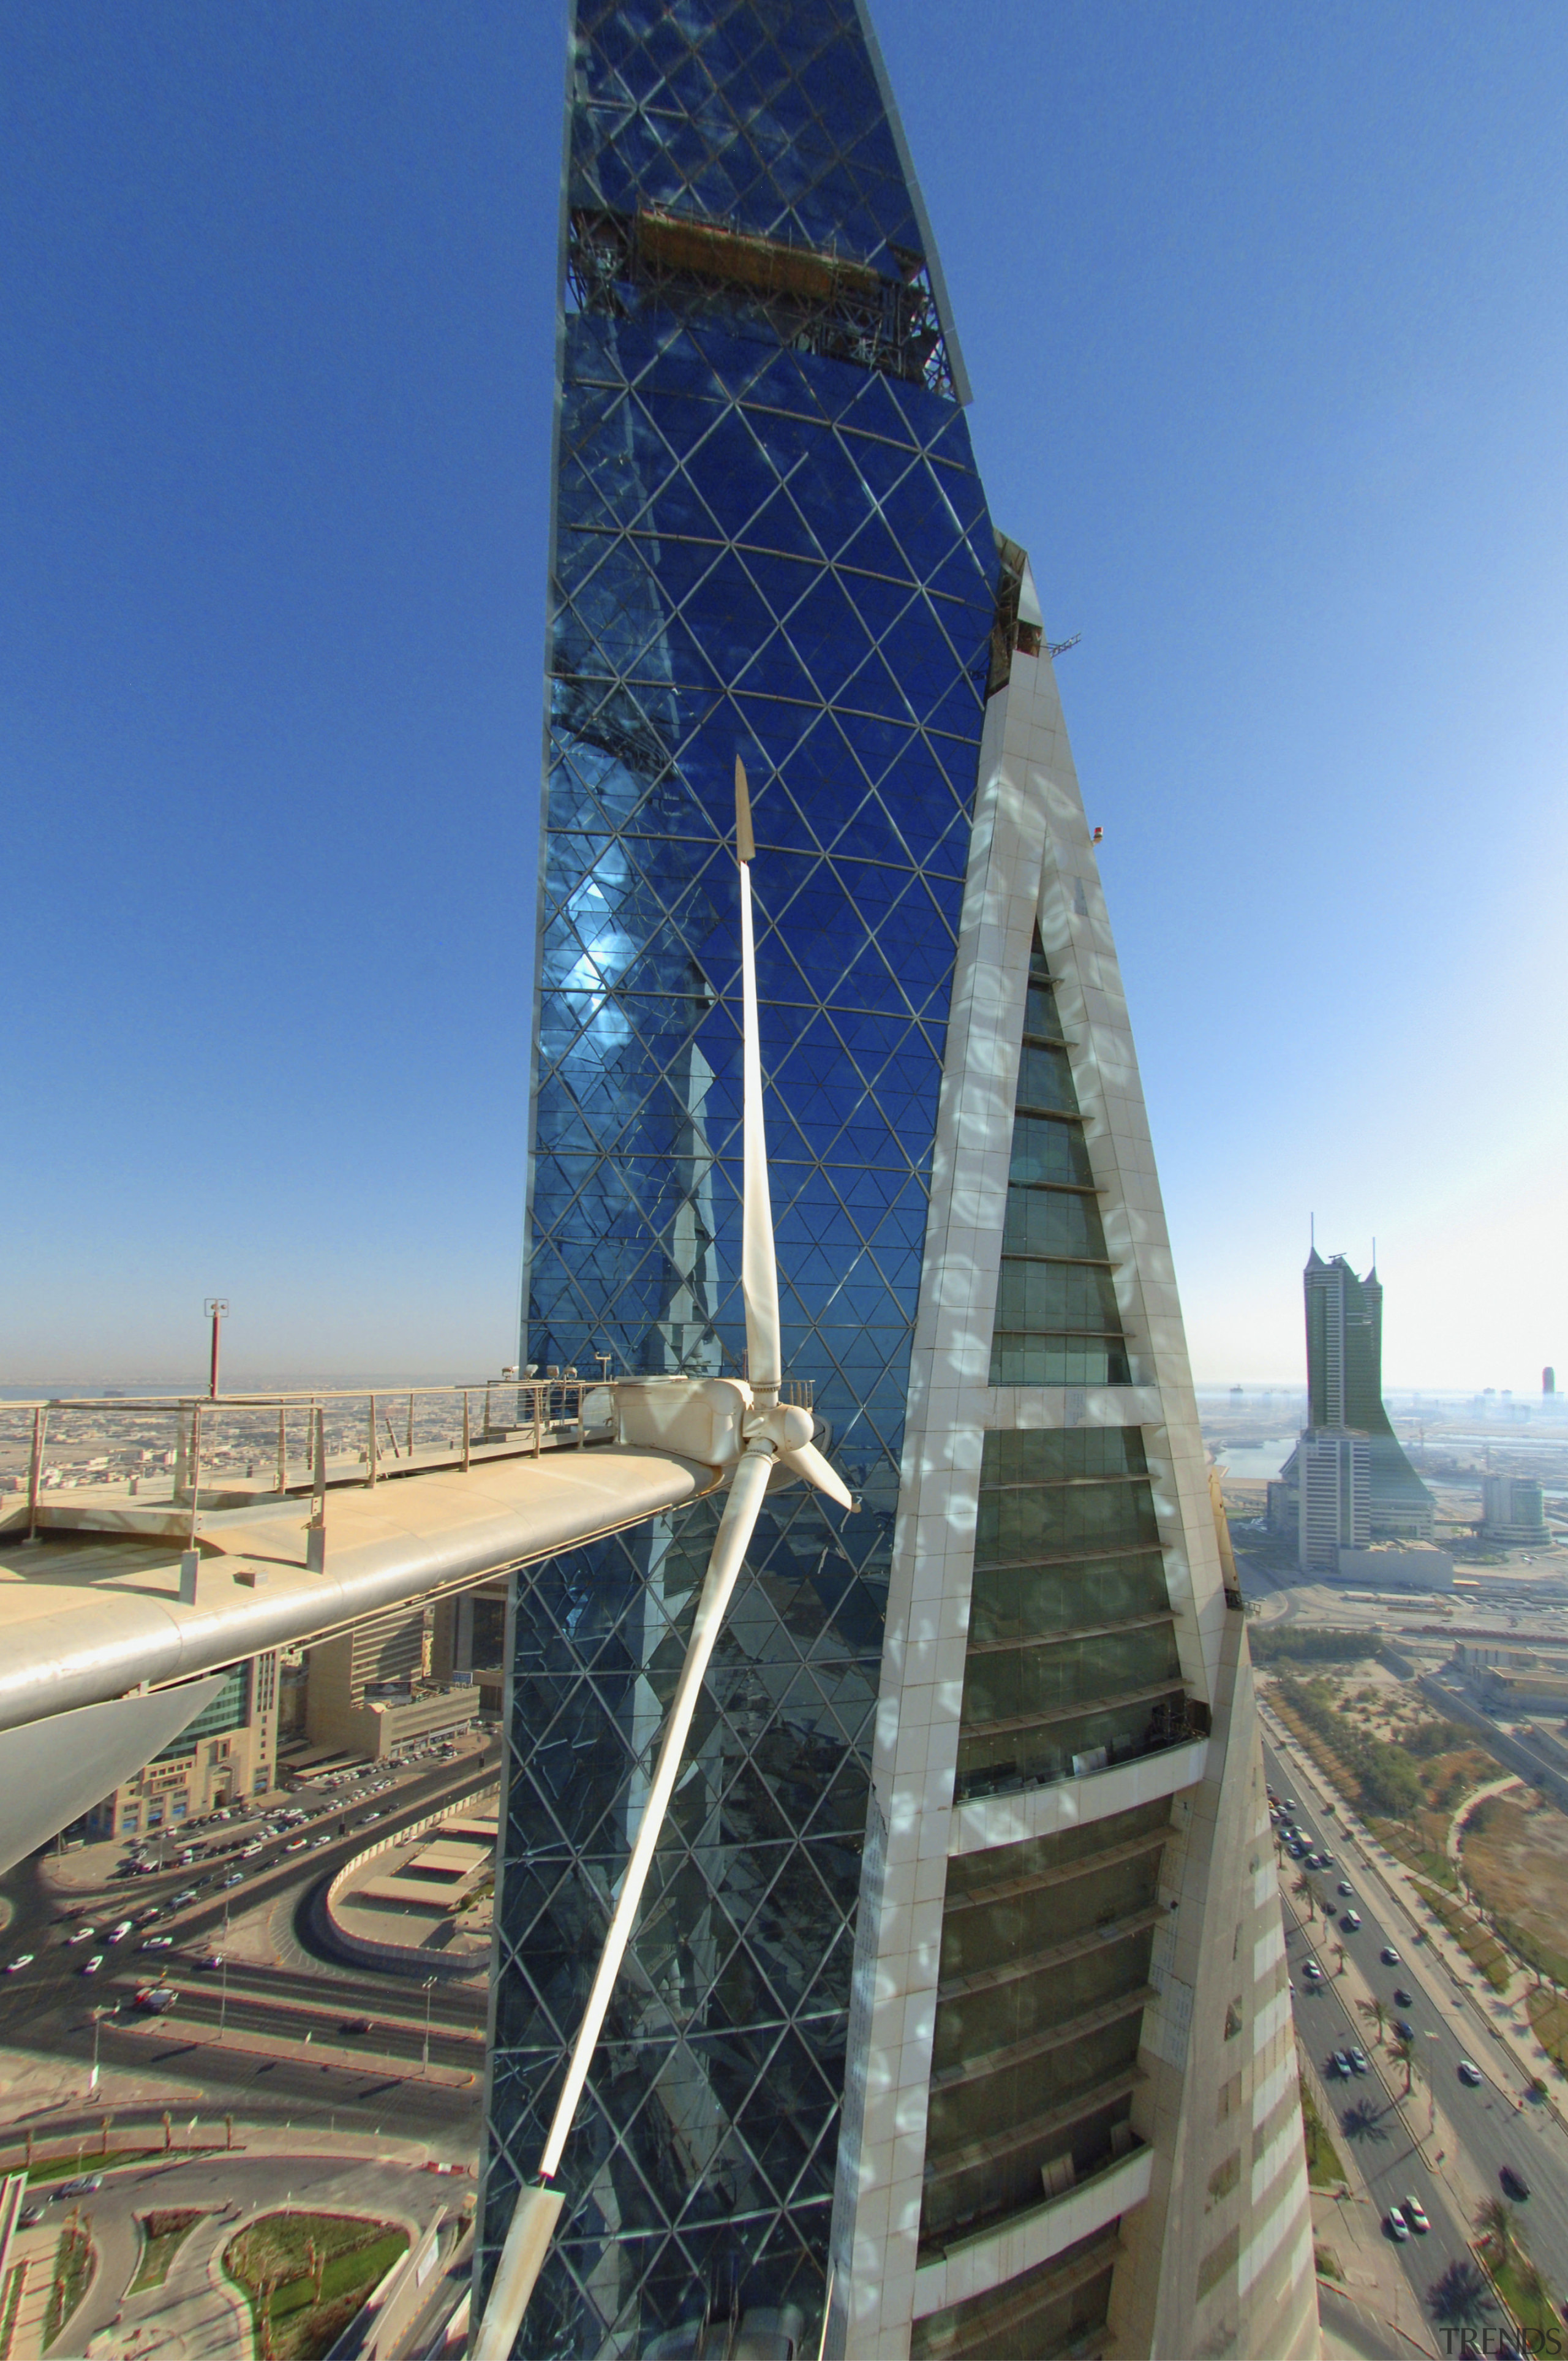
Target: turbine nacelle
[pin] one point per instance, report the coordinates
(714, 1420)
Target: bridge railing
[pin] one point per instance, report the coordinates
(231, 1449)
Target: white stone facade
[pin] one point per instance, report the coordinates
(1031, 864)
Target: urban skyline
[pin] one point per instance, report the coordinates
(270, 612)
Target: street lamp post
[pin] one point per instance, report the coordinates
(98, 2016)
(429, 1995)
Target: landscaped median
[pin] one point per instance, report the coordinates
(307, 2275)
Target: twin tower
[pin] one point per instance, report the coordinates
(958, 2019)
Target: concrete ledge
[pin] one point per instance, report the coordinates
(991, 2258)
(1074, 1803)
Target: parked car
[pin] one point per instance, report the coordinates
(23, 1959)
(83, 2186)
(91, 1967)
(156, 1942)
(1471, 2073)
(81, 1934)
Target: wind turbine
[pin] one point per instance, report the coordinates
(772, 1435)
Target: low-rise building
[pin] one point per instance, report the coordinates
(369, 1693)
(229, 1751)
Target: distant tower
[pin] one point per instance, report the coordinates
(1345, 1391)
(1549, 1379)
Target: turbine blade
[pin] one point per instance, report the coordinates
(54, 1769)
(759, 1270)
(730, 1547)
(807, 1461)
(527, 2243)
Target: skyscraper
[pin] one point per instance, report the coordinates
(957, 2020)
(1387, 1501)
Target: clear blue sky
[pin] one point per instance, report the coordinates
(1264, 311)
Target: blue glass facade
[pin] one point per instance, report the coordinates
(771, 538)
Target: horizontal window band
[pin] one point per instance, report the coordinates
(738, 689)
(1065, 1483)
(1074, 1262)
(716, 403)
(1034, 1963)
(1062, 1188)
(1081, 1711)
(1000, 2318)
(1010, 1889)
(1066, 1336)
(990, 2151)
(1050, 1114)
(1019, 2053)
(1067, 1639)
(1085, 1556)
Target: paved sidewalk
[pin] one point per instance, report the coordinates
(317, 2053)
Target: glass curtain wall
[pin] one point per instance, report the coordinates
(769, 539)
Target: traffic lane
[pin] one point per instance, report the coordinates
(205, 2008)
(1495, 2125)
(1365, 2117)
(220, 2081)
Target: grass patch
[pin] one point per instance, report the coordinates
(307, 2275)
(1325, 2169)
(1527, 2296)
(1478, 1942)
(86, 2159)
(73, 2269)
(163, 2234)
(10, 2305)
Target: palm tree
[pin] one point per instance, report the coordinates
(1500, 2223)
(1531, 2286)
(1375, 2011)
(1304, 1891)
(1403, 2053)
(1339, 1954)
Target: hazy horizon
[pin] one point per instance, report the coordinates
(1269, 379)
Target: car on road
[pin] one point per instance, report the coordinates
(156, 1942)
(23, 1959)
(1312, 1973)
(1351, 1919)
(1514, 2183)
(296, 1844)
(81, 1934)
(1358, 2064)
(1399, 2229)
(237, 1878)
(355, 2025)
(1339, 2064)
(1390, 1955)
(91, 1967)
(1325, 1860)
(118, 1932)
(83, 2186)
(1415, 2215)
(1470, 2073)
(1404, 2028)
(1402, 1999)
(246, 1850)
(186, 1895)
(32, 2215)
(1346, 1888)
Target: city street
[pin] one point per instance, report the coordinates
(1493, 2126)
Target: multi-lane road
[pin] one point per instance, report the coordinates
(1496, 2125)
(47, 2006)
